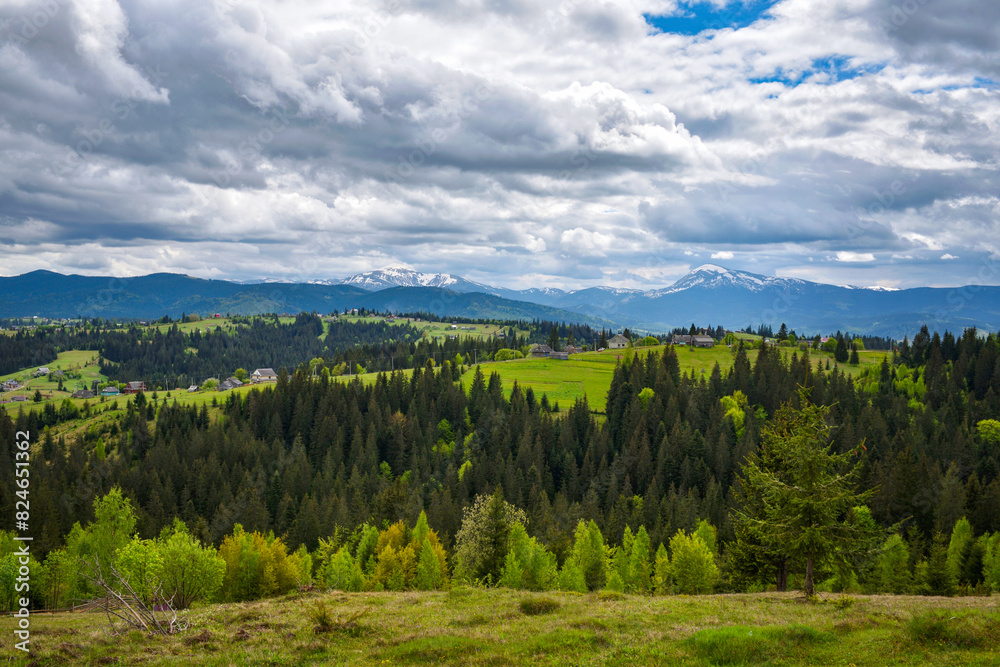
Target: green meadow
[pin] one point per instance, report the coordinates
(501, 627)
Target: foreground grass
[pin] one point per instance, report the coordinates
(500, 627)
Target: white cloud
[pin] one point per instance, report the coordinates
(846, 256)
(497, 140)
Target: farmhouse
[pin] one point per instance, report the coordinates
(135, 387)
(681, 339)
(229, 383)
(264, 375)
(83, 393)
(541, 351)
(193, 388)
(44, 370)
(618, 342)
(572, 349)
(702, 341)
(110, 391)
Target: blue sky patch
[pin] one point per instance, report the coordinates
(701, 15)
(827, 70)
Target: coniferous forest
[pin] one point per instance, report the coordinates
(332, 474)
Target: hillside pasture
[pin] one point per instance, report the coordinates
(502, 627)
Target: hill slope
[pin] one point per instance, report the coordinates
(45, 293)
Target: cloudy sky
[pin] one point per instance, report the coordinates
(566, 143)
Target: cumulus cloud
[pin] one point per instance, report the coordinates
(507, 141)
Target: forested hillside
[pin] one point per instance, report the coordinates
(312, 458)
(174, 357)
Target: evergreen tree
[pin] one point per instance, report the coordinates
(840, 353)
(805, 490)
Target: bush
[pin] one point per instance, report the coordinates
(190, 572)
(504, 354)
(533, 606)
(257, 566)
(588, 553)
(342, 572)
(482, 542)
(692, 564)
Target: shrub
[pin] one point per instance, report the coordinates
(256, 566)
(190, 571)
(342, 572)
(482, 542)
(692, 564)
(588, 552)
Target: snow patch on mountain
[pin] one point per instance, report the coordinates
(714, 276)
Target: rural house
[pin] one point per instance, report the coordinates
(135, 387)
(264, 375)
(618, 342)
(541, 351)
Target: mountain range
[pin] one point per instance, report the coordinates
(709, 294)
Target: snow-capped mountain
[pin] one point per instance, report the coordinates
(394, 276)
(713, 294)
(711, 275)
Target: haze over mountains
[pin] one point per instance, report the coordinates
(709, 294)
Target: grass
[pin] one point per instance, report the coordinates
(589, 374)
(488, 627)
(442, 330)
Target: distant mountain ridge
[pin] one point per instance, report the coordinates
(718, 295)
(710, 294)
(45, 293)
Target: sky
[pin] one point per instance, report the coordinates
(566, 144)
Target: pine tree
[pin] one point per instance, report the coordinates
(588, 552)
(803, 491)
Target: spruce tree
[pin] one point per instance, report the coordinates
(803, 491)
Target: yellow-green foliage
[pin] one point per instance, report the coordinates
(190, 571)
(257, 566)
(342, 572)
(141, 563)
(588, 552)
(735, 407)
(528, 564)
(409, 559)
(692, 564)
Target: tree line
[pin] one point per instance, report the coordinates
(310, 459)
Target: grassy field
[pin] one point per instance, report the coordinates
(441, 330)
(84, 361)
(500, 627)
(590, 373)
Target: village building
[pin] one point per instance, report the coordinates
(135, 387)
(618, 342)
(702, 341)
(264, 375)
(541, 351)
(229, 383)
